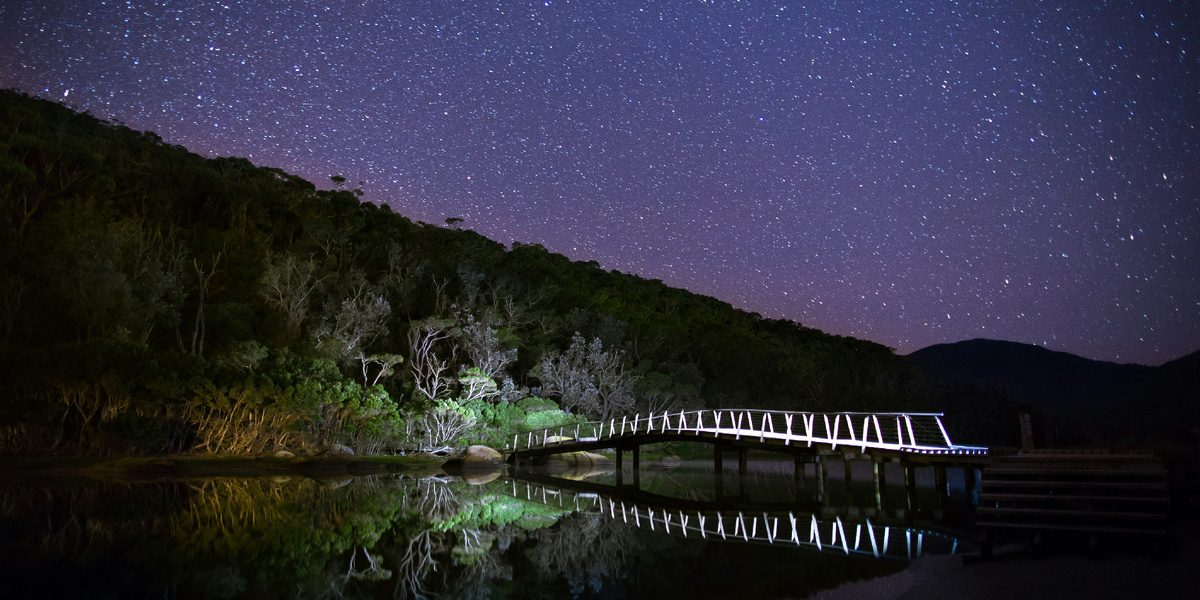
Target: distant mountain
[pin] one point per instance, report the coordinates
(1075, 392)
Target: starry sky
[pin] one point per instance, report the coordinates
(908, 172)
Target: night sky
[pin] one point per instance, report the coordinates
(906, 172)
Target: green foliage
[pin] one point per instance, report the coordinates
(534, 404)
(498, 422)
(551, 418)
(499, 510)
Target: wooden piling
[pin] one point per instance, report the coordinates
(879, 475)
(848, 473)
(718, 470)
(822, 469)
(942, 487)
(910, 485)
(637, 467)
(798, 474)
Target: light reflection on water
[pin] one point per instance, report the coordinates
(390, 536)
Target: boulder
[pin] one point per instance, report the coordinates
(474, 454)
(474, 458)
(339, 450)
(478, 477)
(577, 461)
(284, 454)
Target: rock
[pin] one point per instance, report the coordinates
(474, 458)
(572, 462)
(284, 454)
(339, 450)
(481, 454)
(477, 477)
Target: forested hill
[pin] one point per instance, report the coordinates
(155, 300)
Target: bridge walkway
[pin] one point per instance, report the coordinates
(892, 434)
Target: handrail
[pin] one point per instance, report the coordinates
(887, 431)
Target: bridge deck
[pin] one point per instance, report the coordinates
(907, 433)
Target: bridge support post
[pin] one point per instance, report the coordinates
(910, 485)
(822, 468)
(742, 472)
(637, 467)
(942, 486)
(620, 466)
(969, 482)
(848, 473)
(799, 476)
(879, 474)
(718, 470)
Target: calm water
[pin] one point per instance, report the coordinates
(540, 536)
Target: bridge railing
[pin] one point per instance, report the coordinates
(921, 433)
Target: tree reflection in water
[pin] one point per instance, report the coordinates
(584, 549)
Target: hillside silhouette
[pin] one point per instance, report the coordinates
(1077, 398)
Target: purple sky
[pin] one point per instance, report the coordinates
(906, 172)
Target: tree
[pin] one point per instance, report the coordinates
(404, 273)
(444, 423)
(386, 363)
(286, 285)
(203, 276)
(360, 319)
(588, 379)
(475, 385)
(428, 369)
(485, 346)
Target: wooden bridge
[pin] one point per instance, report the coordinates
(842, 534)
(911, 439)
(913, 434)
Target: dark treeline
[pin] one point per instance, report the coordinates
(157, 301)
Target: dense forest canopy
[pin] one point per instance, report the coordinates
(158, 301)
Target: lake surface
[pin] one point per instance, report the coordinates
(679, 533)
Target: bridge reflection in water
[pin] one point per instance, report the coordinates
(820, 530)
